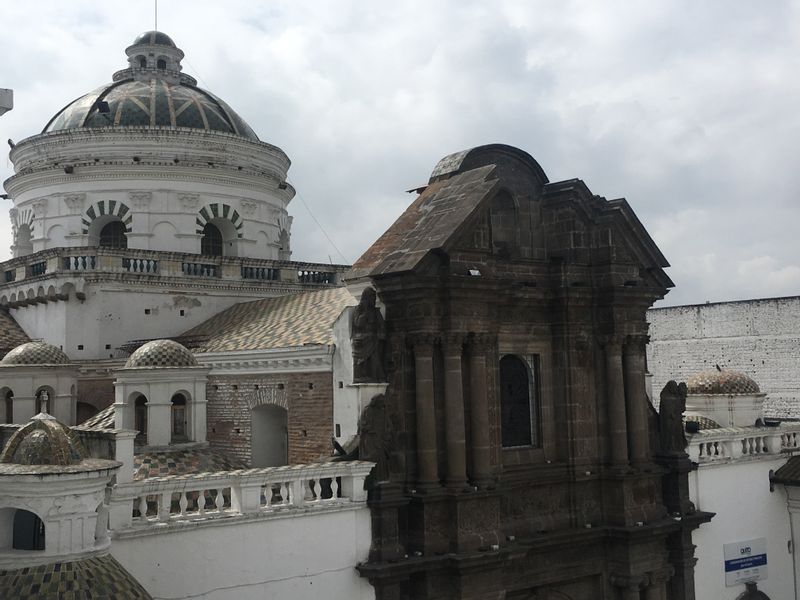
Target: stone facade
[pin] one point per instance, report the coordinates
(760, 338)
(490, 267)
(308, 397)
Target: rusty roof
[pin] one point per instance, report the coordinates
(432, 222)
(11, 334)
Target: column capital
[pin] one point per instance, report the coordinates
(637, 340)
(611, 342)
(453, 342)
(481, 343)
(631, 583)
(423, 342)
(661, 575)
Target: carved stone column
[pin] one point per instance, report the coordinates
(427, 471)
(657, 587)
(636, 397)
(453, 346)
(629, 586)
(479, 409)
(617, 420)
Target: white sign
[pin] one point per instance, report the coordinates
(745, 561)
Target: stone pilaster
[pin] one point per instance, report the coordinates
(453, 346)
(617, 417)
(480, 344)
(427, 471)
(636, 398)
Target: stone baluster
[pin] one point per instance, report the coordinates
(479, 409)
(164, 501)
(636, 398)
(453, 346)
(617, 418)
(427, 469)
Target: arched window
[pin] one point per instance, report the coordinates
(140, 419)
(28, 531)
(142, 62)
(161, 64)
(179, 418)
(519, 406)
(211, 244)
(9, 400)
(503, 217)
(113, 235)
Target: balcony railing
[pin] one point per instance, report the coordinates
(271, 490)
(735, 443)
(165, 264)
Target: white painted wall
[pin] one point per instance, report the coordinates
(307, 557)
(739, 493)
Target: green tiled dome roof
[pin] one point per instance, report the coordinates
(43, 441)
(88, 579)
(153, 103)
(35, 353)
(154, 38)
(721, 381)
(161, 353)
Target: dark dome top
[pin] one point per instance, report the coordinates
(153, 103)
(721, 381)
(43, 441)
(35, 353)
(161, 353)
(153, 37)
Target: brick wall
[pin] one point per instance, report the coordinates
(308, 397)
(97, 392)
(758, 337)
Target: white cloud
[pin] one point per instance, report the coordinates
(687, 109)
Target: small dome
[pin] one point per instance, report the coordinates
(35, 353)
(150, 38)
(43, 441)
(161, 353)
(721, 381)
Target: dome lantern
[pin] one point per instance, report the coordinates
(154, 54)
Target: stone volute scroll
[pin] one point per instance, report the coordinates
(368, 338)
(671, 433)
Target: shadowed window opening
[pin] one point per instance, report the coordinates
(113, 235)
(28, 531)
(211, 244)
(518, 402)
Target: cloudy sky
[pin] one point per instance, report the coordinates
(689, 109)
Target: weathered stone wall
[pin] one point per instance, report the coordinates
(307, 396)
(760, 338)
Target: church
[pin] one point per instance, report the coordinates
(462, 413)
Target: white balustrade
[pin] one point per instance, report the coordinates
(733, 443)
(252, 491)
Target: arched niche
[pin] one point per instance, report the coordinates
(519, 406)
(28, 532)
(269, 436)
(179, 420)
(7, 396)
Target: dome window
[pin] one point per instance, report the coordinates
(211, 244)
(161, 64)
(142, 61)
(113, 235)
(28, 531)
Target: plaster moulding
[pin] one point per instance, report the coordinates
(39, 207)
(75, 202)
(249, 206)
(140, 200)
(189, 202)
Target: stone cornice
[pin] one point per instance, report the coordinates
(296, 359)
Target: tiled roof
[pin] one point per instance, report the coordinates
(11, 334)
(43, 441)
(702, 421)
(182, 462)
(35, 353)
(281, 322)
(102, 420)
(721, 381)
(160, 354)
(788, 473)
(99, 577)
(433, 221)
